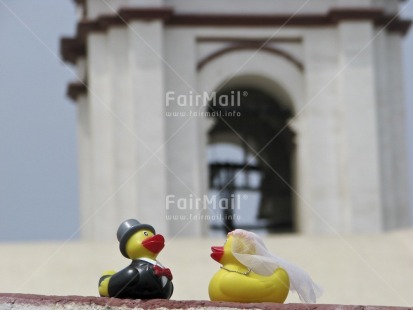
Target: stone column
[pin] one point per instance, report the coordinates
(146, 48)
(398, 214)
(359, 173)
(186, 146)
(85, 147)
(385, 125)
(125, 142)
(102, 118)
(319, 204)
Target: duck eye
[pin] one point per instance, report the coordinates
(145, 233)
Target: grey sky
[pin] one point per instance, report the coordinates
(38, 155)
(38, 177)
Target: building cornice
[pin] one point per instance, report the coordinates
(73, 48)
(76, 89)
(70, 47)
(332, 18)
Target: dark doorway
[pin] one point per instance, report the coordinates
(264, 178)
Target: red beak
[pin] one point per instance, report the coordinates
(217, 252)
(154, 244)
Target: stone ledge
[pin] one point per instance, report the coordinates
(28, 301)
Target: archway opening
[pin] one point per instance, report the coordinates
(250, 152)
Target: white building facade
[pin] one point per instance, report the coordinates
(335, 64)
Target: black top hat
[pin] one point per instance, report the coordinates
(127, 229)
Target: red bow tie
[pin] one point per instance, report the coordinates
(159, 271)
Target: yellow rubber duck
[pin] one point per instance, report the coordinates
(145, 277)
(237, 283)
(249, 273)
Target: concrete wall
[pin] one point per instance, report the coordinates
(365, 269)
(342, 80)
(34, 302)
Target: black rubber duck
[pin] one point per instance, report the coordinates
(145, 277)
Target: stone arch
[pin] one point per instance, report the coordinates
(254, 47)
(275, 76)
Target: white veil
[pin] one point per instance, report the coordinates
(250, 250)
